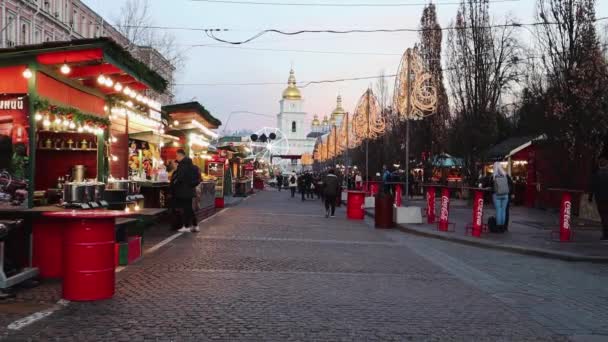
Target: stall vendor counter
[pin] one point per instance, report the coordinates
(204, 203)
(242, 188)
(155, 194)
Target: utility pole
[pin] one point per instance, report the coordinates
(407, 125)
(367, 140)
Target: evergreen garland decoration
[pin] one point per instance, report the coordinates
(45, 106)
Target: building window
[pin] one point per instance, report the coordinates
(293, 126)
(83, 24)
(11, 32)
(25, 33)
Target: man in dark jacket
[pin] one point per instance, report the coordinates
(599, 191)
(183, 182)
(302, 186)
(330, 192)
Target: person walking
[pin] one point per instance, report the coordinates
(308, 186)
(302, 186)
(183, 182)
(279, 181)
(358, 181)
(293, 184)
(386, 178)
(330, 192)
(500, 195)
(599, 191)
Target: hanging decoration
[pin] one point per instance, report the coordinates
(367, 121)
(415, 96)
(44, 108)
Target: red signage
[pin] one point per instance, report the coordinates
(445, 209)
(398, 195)
(477, 213)
(565, 233)
(14, 121)
(430, 205)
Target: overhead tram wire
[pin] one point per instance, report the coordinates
(211, 32)
(334, 4)
(300, 84)
(305, 84)
(363, 53)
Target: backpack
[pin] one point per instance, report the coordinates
(292, 180)
(501, 185)
(492, 227)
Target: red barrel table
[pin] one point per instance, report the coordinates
(355, 203)
(88, 253)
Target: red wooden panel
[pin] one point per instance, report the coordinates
(61, 57)
(52, 89)
(52, 164)
(94, 70)
(12, 80)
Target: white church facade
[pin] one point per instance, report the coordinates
(292, 119)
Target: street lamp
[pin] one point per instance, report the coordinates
(414, 98)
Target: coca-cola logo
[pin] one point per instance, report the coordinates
(567, 211)
(444, 207)
(479, 212)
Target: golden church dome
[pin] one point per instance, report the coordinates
(325, 121)
(292, 92)
(339, 111)
(315, 121)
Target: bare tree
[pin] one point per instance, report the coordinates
(482, 64)
(431, 38)
(577, 78)
(135, 22)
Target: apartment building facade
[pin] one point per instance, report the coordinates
(24, 22)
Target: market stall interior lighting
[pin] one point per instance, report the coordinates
(38, 117)
(27, 73)
(205, 130)
(65, 69)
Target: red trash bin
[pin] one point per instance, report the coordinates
(88, 253)
(384, 211)
(355, 205)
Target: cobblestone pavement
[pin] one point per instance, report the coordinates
(274, 269)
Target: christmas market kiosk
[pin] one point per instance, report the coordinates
(192, 127)
(66, 111)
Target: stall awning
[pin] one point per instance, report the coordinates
(445, 160)
(510, 147)
(153, 137)
(194, 109)
(89, 58)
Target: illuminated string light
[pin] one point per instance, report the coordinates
(65, 69)
(27, 73)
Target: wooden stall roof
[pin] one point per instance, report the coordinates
(188, 111)
(89, 58)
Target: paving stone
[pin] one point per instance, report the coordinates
(274, 269)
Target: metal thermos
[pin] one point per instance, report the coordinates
(79, 173)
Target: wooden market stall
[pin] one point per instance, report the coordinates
(65, 113)
(518, 157)
(193, 127)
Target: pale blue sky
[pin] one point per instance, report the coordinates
(230, 65)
